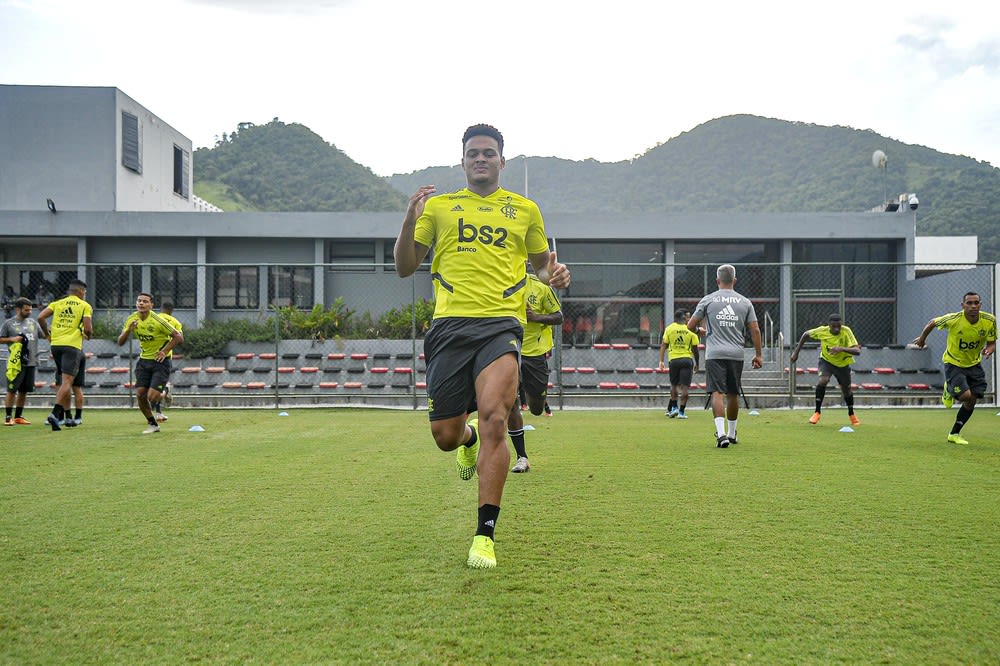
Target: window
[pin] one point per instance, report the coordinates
(290, 285)
(352, 255)
(175, 283)
(236, 287)
(131, 144)
(182, 169)
(117, 286)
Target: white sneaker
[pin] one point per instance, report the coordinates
(521, 466)
(151, 429)
(161, 417)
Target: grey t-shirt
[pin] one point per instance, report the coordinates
(726, 315)
(28, 327)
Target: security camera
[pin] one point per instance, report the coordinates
(914, 202)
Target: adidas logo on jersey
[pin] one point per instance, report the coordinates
(727, 316)
(457, 209)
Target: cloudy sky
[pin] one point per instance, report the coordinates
(393, 83)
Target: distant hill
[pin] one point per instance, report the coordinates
(737, 163)
(751, 164)
(279, 167)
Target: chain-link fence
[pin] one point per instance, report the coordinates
(352, 333)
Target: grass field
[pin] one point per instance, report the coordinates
(334, 536)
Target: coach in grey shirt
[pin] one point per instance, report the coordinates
(727, 316)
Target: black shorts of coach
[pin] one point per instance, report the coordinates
(841, 372)
(961, 379)
(535, 376)
(152, 374)
(457, 349)
(24, 382)
(723, 375)
(681, 371)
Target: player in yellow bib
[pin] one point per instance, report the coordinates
(838, 348)
(680, 345)
(157, 337)
(972, 336)
(542, 312)
(71, 325)
(481, 237)
(166, 312)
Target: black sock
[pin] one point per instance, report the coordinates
(488, 515)
(820, 394)
(79, 413)
(18, 412)
(151, 420)
(682, 407)
(472, 440)
(58, 412)
(964, 414)
(671, 405)
(849, 401)
(517, 437)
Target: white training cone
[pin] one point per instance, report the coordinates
(196, 428)
(528, 427)
(847, 429)
(753, 412)
(282, 413)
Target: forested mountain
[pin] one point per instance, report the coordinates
(752, 164)
(736, 163)
(279, 167)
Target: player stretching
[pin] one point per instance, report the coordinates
(972, 336)
(481, 236)
(838, 347)
(156, 338)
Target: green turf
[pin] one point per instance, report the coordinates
(341, 536)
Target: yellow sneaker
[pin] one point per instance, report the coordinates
(466, 457)
(481, 555)
(957, 439)
(947, 398)
(814, 419)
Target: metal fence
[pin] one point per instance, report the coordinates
(351, 333)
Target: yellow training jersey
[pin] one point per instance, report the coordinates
(965, 339)
(151, 334)
(542, 300)
(480, 246)
(827, 339)
(681, 342)
(173, 322)
(67, 321)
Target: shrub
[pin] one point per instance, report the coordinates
(210, 339)
(316, 324)
(397, 323)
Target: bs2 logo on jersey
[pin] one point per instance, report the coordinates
(487, 235)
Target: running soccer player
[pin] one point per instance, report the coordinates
(157, 337)
(166, 312)
(972, 336)
(727, 316)
(838, 347)
(481, 236)
(681, 348)
(542, 311)
(71, 325)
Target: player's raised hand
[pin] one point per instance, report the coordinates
(558, 273)
(415, 207)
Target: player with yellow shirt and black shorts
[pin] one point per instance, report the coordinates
(681, 348)
(838, 347)
(71, 324)
(972, 336)
(481, 237)
(157, 337)
(542, 311)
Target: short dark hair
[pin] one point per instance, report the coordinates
(971, 293)
(483, 129)
(77, 284)
(836, 317)
(148, 295)
(679, 314)
(21, 302)
(167, 306)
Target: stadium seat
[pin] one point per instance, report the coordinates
(286, 370)
(215, 370)
(353, 385)
(256, 385)
(918, 386)
(644, 371)
(619, 345)
(402, 371)
(191, 370)
(360, 356)
(267, 356)
(872, 386)
(334, 356)
(96, 370)
(232, 385)
(601, 345)
(628, 385)
(379, 370)
(884, 371)
(567, 370)
(308, 369)
(607, 385)
(291, 356)
(328, 385)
